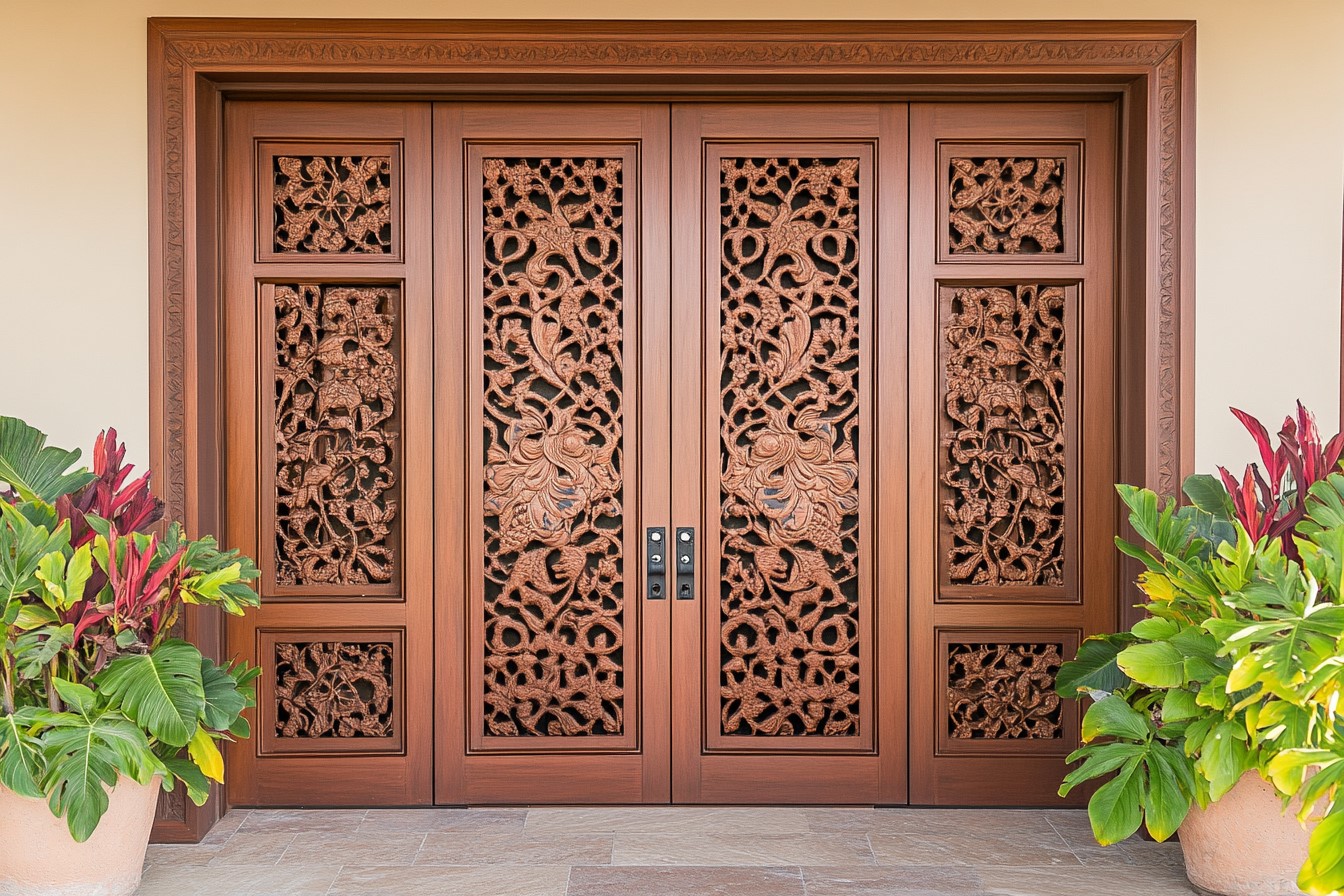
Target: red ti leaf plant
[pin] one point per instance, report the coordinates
(1270, 501)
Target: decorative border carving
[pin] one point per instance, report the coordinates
(1167, 443)
(183, 54)
(502, 52)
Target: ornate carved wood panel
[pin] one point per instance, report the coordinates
(331, 691)
(336, 430)
(1004, 432)
(998, 692)
(1001, 691)
(333, 204)
(554, 569)
(1006, 205)
(789, 432)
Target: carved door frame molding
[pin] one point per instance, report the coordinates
(195, 64)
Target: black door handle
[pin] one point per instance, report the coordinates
(685, 548)
(655, 557)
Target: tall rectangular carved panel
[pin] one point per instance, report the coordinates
(1007, 439)
(327, 353)
(790, 437)
(554, 470)
(336, 379)
(1013, 312)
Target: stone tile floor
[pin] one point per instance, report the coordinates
(661, 851)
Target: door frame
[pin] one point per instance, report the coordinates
(195, 64)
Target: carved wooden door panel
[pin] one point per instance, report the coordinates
(788, 426)
(552, 415)
(328, 445)
(1013, 435)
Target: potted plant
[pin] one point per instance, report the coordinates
(100, 705)
(1220, 710)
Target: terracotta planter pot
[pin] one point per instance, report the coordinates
(40, 858)
(1244, 845)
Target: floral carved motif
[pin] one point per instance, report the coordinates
(333, 689)
(336, 431)
(789, 430)
(1003, 691)
(1004, 436)
(554, 604)
(1006, 206)
(333, 204)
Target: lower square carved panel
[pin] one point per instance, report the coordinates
(328, 691)
(997, 691)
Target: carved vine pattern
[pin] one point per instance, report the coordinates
(1006, 206)
(554, 600)
(1003, 691)
(336, 433)
(333, 689)
(333, 204)
(1004, 436)
(789, 430)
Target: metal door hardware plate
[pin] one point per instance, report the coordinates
(655, 556)
(685, 550)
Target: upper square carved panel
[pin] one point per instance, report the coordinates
(337, 204)
(1006, 206)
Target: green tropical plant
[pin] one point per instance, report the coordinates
(1239, 662)
(92, 683)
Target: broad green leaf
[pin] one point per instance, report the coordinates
(20, 756)
(1208, 494)
(1169, 793)
(1323, 872)
(1157, 665)
(198, 786)
(1116, 809)
(1288, 768)
(223, 702)
(76, 696)
(33, 616)
(1098, 760)
(1224, 758)
(1113, 717)
(1155, 628)
(1178, 705)
(64, 581)
(33, 469)
(1094, 669)
(23, 544)
(84, 752)
(206, 755)
(161, 692)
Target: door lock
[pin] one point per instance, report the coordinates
(685, 548)
(655, 556)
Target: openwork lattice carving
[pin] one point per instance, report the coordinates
(333, 689)
(789, 430)
(554, 628)
(1004, 436)
(1003, 691)
(1006, 206)
(336, 431)
(333, 204)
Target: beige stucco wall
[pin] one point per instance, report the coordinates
(73, 218)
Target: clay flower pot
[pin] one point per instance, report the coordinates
(40, 858)
(1244, 844)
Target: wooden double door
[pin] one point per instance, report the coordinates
(712, 453)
